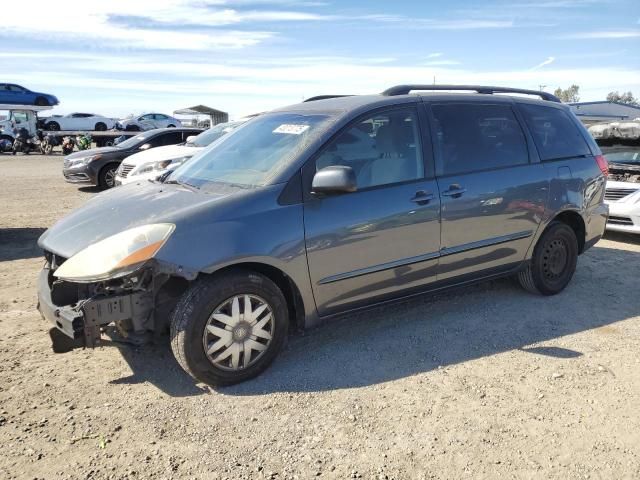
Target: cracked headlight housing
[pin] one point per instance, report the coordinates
(117, 255)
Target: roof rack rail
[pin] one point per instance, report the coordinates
(406, 89)
(324, 97)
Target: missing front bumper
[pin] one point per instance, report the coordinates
(83, 321)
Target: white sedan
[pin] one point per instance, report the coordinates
(149, 121)
(150, 164)
(79, 121)
(623, 187)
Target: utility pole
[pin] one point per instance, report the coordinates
(542, 87)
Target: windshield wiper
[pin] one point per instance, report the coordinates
(185, 184)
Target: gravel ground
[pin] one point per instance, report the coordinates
(486, 382)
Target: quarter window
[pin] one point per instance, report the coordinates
(472, 137)
(382, 149)
(554, 132)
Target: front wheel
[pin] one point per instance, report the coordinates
(554, 261)
(230, 327)
(107, 176)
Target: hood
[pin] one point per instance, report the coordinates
(125, 207)
(92, 151)
(161, 153)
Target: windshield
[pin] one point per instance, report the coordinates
(629, 155)
(253, 154)
(135, 140)
(209, 136)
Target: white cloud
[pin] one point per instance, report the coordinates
(602, 34)
(442, 62)
(548, 61)
(75, 21)
(114, 85)
(435, 55)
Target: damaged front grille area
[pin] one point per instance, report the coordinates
(82, 310)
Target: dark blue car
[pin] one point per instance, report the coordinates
(17, 95)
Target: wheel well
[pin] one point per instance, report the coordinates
(284, 283)
(107, 166)
(575, 221)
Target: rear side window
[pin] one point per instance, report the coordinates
(554, 132)
(472, 137)
(170, 138)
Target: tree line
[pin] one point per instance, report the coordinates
(572, 95)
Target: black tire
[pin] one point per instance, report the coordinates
(189, 320)
(42, 102)
(132, 128)
(101, 126)
(171, 125)
(107, 175)
(52, 126)
(554, 261)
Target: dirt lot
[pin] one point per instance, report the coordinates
(489, 382)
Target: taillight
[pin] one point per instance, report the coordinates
(603, 164)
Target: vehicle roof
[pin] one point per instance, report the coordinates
(356, 102)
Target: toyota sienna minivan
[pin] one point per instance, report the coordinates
(326, 207)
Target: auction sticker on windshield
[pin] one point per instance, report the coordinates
(291, 129)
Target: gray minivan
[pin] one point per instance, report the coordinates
(325, 207)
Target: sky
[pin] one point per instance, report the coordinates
(117, 57)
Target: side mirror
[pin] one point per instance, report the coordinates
(146, 146)
(190, 138)
(334, 179)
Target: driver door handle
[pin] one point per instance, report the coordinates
(455, 191)
(422, 198)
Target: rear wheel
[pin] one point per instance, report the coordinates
(42, 102)
(100, 127)
(229, 328)
(53, 126)
(107, 176)
(554, 261)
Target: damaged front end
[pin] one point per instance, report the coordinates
(82, 310)
(114, 282)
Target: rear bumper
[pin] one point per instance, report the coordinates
(595, 224)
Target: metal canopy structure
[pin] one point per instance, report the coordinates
(216, 116)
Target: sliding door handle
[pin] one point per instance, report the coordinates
(455, 191)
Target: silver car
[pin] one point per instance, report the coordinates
(148, 121)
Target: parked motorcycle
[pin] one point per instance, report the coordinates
(68, 144)
(23, 142)
(83, 141)
(6, 145)
(48, 142)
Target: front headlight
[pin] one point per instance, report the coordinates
(117, 255)
(160, 165)
(76, 162)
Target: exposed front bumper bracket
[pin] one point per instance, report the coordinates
(85, 319)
